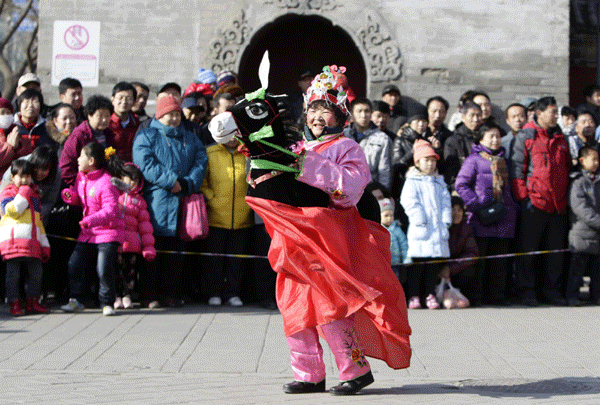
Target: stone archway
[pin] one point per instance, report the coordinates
(297, 43)
(360, 24)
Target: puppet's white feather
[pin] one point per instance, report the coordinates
(263, 71)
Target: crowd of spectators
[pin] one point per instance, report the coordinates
(535, 164)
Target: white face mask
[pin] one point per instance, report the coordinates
(6, 121)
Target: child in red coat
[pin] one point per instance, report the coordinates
(139, 237)
(22, 237)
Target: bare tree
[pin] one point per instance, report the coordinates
(9, 71)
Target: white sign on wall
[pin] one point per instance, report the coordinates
(76, 52)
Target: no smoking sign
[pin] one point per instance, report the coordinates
(76, 52)
(76, 37)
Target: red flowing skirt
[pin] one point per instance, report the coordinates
(331, 264)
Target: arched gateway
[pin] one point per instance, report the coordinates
(298, 33)
(296, 43)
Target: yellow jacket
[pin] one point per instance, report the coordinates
(225, 189)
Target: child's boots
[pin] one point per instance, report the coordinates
(15, 308)
(34, 307)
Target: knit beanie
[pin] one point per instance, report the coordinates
(165, 105)
(206, 76)
(386, 205)
(418, 116)
(381, 106)
(4, 103)
(226, 76)
(422, 149)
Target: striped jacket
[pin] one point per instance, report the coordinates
(22, 233)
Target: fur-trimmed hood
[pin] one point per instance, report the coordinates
(58, 136)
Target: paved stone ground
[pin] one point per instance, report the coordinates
(200, 354)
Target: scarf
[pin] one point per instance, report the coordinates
(499, 174)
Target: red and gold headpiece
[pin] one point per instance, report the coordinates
(329, 86)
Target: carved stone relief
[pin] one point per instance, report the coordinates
(383, 54)
(305, 5)
(227, 45)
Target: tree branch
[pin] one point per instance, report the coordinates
(2, 5)
(5, 69)
(14, 28)
(31, 58)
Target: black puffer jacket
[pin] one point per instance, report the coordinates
(402, 149)
(456, 150)
(402, 158)
(442, 135)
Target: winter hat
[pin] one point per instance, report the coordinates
(203, 88)
(304, 73)
(190, 102)
(4, 103)
(231, 88)
(386, 205)
(418, 116)
(390, 88)
(169, 85)
(165, 105)
(206, 76)
(422, 149)
(225, 77)
(528, 102)
(381, 106)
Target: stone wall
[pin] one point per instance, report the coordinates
(509, 48)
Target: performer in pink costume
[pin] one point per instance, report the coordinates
(334, 274)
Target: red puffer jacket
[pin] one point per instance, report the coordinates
(541, 163)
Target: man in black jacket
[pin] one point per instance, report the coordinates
(398, 116)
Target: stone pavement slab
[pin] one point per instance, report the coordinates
(206, 355)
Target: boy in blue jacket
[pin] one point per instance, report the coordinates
(399, 243)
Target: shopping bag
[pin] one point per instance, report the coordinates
(193, 219)
(450, 296)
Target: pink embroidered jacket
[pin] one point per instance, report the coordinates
(102, 219)
(336, 165)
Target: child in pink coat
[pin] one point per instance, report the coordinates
(102, 226)
(138, 233)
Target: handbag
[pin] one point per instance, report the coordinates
(193, 219)
(491, 213)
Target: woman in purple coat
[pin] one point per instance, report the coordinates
(481, 182)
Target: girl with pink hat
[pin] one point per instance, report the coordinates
(426, 201)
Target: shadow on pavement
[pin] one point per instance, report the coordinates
(505, 388)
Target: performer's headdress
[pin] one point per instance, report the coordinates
(328, 86)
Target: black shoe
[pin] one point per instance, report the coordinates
(475, 303)
(170, 302)
(557, 302)
(303, 387)
(500, 302)
(269, 304)
(574, 302)
(530, 302)
(353, 386)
